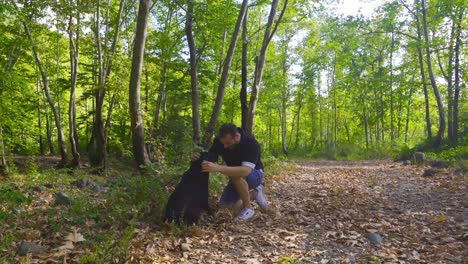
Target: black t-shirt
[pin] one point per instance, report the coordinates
(246, 153)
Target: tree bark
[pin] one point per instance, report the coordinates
(196, 137)
(392, 108)
(104, 69)
(138, 133)
(457, 76)
(160, 101)
(440, 105)
(448, 75)
(243, 91)
(408, 110)
(423, 75)
(260, 62)
(49, 131)
(282, 113)
(224, 77)
(45, 82)
(3, 164)
(74, 58)
(39, 119)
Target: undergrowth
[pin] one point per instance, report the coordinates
(107, 218)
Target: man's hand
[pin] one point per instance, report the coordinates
(196, 156)
(208, 166)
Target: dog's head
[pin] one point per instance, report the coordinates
(204, 156)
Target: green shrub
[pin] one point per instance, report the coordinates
(455, 156)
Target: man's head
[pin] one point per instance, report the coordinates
(229, 136)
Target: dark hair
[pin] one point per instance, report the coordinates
(227, 129)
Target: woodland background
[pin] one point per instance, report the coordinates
(89, 89)
(316, 84)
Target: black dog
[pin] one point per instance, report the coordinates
(190, 197)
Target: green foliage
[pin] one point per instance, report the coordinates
(455, 156)
(275, 168)
(32, 166)
(11, 199)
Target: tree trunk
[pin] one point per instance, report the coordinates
(423, 76)
(260, 62)
(282, 113)
(193, 75)
(457, 76)
(382, 107)
(161, 94)
(45, 81)
(49, 131)
(39, 120)
(408, 110)
(57, 77)
(104, 68)
(146, 88)
(366, 126)
(243, 91)
(99, 159)
(3, 162)
(224, 76)
(301, 96)
(440, 105)
(392, 108)
(138, 133)
(448, 75)
(74, 58)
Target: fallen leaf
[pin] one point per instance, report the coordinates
(442, 218)
(75, 237)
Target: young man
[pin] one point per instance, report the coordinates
(241, 153)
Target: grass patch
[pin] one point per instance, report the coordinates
(107, 218)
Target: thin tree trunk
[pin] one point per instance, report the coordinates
(457, 76)
(382, 107)
(49, 131)
(3, 164)
(99, 159)
(392, 114)
(440, 105)
(366, 127)
(109, 113)
(87, 120)
(423, 77)
(161, 95)
(196, 137)
(260, 62)
(45, 81)
(335, 110)
(146, 88)
(243, 91)
(39, 118)
(99, 133)
(408, 110)
(74, 59)
(57, 77)
(138, 133)
(347, 131)
(320, 102)
(224, 76)
(301, 95)
(282, 113)
(448, 75)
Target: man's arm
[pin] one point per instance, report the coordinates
(230, 171)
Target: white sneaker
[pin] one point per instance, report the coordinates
(245, 214)
(260, 197)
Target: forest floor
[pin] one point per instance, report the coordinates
(323, 212)
(336, 212)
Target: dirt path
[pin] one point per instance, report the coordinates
(336, 212)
